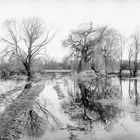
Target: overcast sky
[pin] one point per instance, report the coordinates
(66, 15)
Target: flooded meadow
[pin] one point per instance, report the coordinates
(69, 108)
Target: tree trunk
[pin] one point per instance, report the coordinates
(129, 66)
(79, 66)
(94, 69)
(120, 72)
(135, 61)
(135, 68)
(135, 65)
(29, 75)
(81, 62)
(28, 71)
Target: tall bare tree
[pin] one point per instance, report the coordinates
(109, 46)
(83, 43)
(130, 56)
(136, 44)
(26, 40)
(121, 51)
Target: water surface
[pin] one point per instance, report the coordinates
(113, 112)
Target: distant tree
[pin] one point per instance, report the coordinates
(108, 47)
(26, 40)
(130, 56)
(51, 64)
(38, 65)
(121, 48)
(4, 70)
(136, 46)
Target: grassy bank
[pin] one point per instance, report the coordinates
(20, 116)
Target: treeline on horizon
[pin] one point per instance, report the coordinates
(12, 68)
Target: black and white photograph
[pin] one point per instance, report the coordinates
(69, 70)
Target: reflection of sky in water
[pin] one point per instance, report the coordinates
(53, 104)
(5, 87)
(130, 85)
(125, 127)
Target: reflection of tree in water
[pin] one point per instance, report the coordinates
(133, 92)
(89, 109)
(136, 92)
(134, 96)
(73, 137)
(99, 89)
(26, 116)
(104, 113)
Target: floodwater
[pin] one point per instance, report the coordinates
(111, 113)
(9, 90)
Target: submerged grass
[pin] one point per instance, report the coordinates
(59, 91)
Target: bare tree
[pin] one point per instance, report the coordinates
(26, 40)
(121, 51)
(136, 44)
(130, 56)
(83, 42)
(109, 46)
